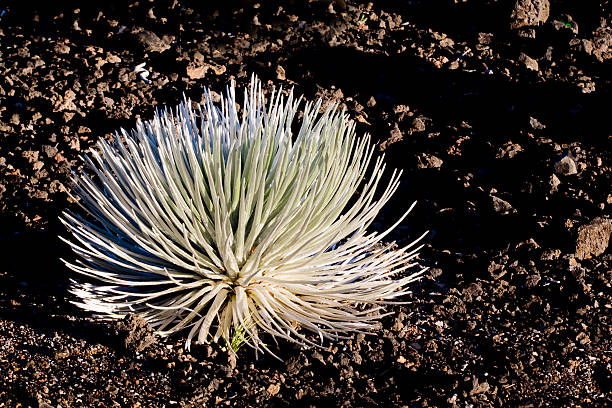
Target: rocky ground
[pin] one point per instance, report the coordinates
(497, 112)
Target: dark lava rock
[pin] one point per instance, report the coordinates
(429, 161)
(602, 43)
(532, 280)
(567, 23)
(566, 166)
(198, 70)
(419, 124)
(529, 62)
(151, 42)
(134, 334)
(536, 124)
(529, 13)
(296, 363)
(501, 206)
(593, 238)
(554, 183)
(50, 151)
(395, 135)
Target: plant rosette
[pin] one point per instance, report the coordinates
(228, 224)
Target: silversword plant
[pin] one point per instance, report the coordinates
(224, 221)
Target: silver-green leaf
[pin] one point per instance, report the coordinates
(211, 217)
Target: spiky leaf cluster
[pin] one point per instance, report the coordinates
(223, 221)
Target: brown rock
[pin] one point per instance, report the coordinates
(273, 389)
(62, 48)
(602, 43)
(419, 124)
(566, 166)
(280, 73)
(501, 206)
(402, 111)
(529, 13)
(30, 155)
(527, 32)
(529, 62)
(533, 280)
(508, 150)
(536, 124)
(55, 186)
(429, 161)
(197, 70)
(478, 387)
(134, 333)
(565, 22)
(394, 136)
(593, 238)
(66, 103)
(38, 194)
(151, 42)
(231, 359)
(112, 58)
(554, 183)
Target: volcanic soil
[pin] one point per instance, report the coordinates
(497, 112)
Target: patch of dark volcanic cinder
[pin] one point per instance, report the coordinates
(516, 308)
